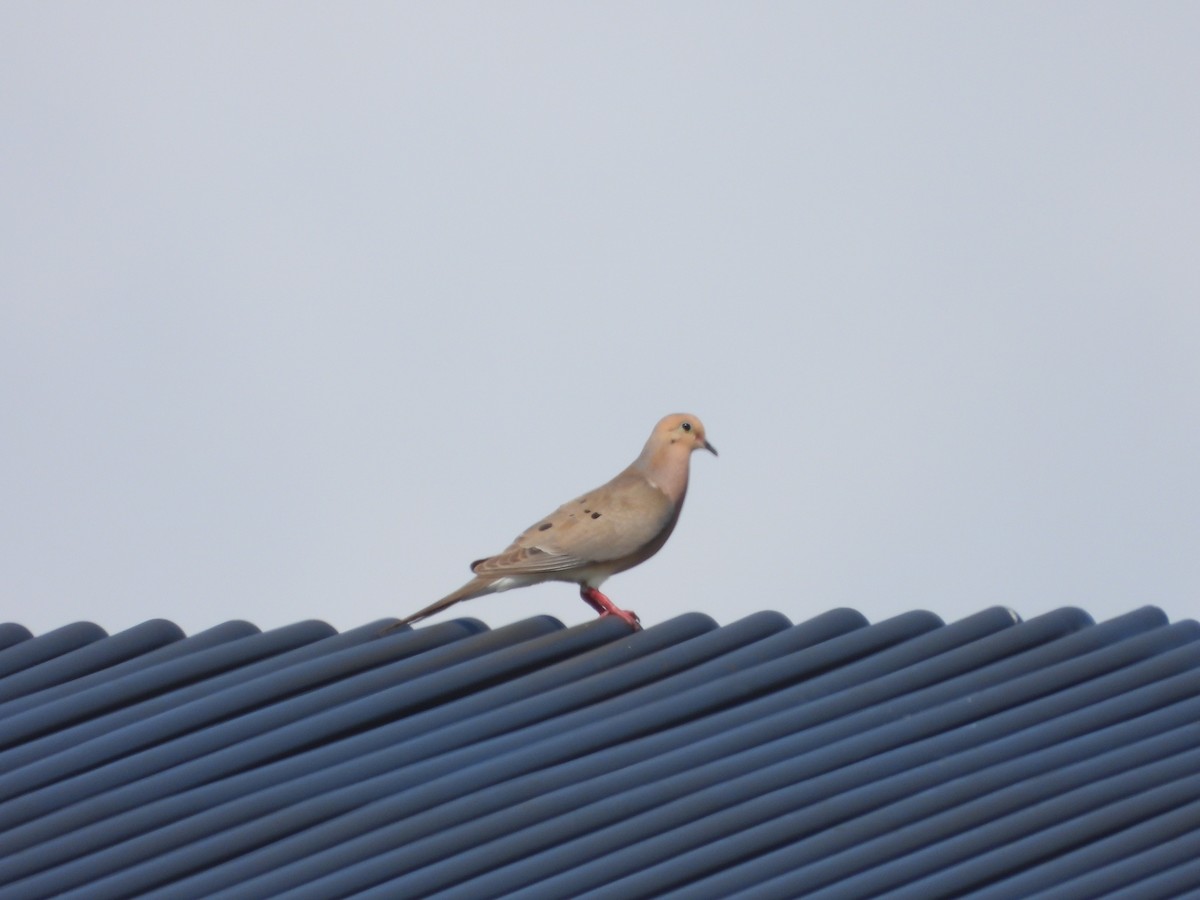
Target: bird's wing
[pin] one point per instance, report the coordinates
(613, 522)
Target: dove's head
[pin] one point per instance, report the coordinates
(680, 432)
(664, 459)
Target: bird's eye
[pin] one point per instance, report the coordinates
(686, 426)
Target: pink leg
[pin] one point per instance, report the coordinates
(606, 607)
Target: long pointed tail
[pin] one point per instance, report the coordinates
(476, 587)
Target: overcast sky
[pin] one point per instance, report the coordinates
(304, 306)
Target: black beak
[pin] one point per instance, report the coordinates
(710, 448)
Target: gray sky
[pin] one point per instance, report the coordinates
(304, 306)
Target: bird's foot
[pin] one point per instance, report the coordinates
(606, 607)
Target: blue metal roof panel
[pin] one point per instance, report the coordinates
(23, 655)
(77, 692)
(908, 758)
(11, 634)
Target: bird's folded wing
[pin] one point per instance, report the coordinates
(608, 524)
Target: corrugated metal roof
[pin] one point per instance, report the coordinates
(910, 758)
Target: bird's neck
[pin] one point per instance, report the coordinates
(666, 467)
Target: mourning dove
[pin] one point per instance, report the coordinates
(605, 531)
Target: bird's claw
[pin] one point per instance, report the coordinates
(628, 617)
(606, 607)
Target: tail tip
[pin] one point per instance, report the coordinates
(394, 627)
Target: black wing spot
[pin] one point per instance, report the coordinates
(535, 551)
(595, 515)
(545, 526)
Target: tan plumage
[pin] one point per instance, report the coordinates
(605, 531)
